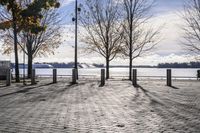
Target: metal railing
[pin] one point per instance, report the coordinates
(115, 76)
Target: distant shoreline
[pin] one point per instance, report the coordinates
(116, 67)
(194, 65)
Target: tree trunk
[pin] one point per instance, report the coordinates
(130, 43)
(130, 53)
(107, 68)
(30, 63)
(15, 47)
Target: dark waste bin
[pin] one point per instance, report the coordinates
(2, 74)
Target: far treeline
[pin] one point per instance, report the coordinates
(179, 65)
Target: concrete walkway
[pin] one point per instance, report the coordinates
(116, 108)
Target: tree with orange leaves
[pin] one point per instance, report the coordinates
(25, 18)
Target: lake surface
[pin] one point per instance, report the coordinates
(120, 72)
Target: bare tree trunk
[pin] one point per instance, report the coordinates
(107, 61)
(30, 58)
(16, 57)
(15, 47)
(130, 55)
(107, 68)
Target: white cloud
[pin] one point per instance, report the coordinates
(65, 2)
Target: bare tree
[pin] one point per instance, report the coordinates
(138, 38)
(191, 28)
(103, 30)
(40, 44)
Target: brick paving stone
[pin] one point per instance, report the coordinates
(86, 108)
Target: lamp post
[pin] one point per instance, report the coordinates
(76, 32)
(76, 38)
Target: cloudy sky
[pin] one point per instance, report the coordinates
(169, 49)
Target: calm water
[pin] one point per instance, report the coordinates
(114, 72)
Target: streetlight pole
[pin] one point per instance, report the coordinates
(76, 38)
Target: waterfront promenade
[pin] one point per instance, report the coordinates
(118, 107)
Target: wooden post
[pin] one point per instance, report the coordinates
(134, 78)
(169, 77)
(102, 77)
(8, 77)
(54, 75)
(33, 77)
(74, 76)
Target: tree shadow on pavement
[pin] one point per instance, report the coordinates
(148, 94)
(172, 112)
(24, 90)
(51, 91)
(174, 87)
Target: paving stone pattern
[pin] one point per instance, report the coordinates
(118, 107)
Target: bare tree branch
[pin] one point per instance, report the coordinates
(103, 31)
(191, 28)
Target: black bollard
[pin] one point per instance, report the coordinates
(134, 78)
(33, 77)
(54, 75)
(74, 76)
(169, 77)
(102, 77)
(198, 74)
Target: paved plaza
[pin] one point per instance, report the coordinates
(118, 107)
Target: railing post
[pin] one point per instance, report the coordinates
(8, 77)
(102, 77)
(33, 77)
(134, 78)
(74, 76)
(54, 75)
(169, 77)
